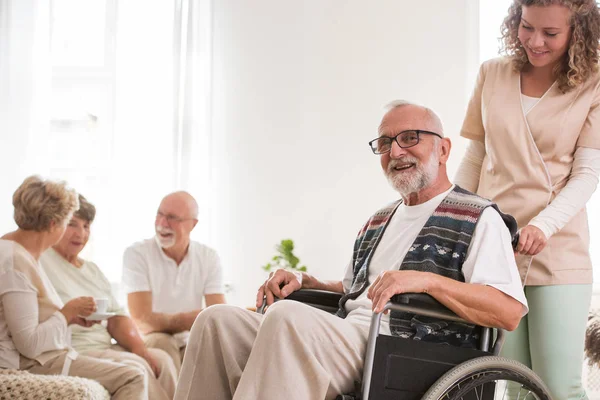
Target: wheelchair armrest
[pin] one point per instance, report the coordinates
(423, 304)
(317, 297)
(321, 299)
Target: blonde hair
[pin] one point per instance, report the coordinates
(38, 202)
(581, 59)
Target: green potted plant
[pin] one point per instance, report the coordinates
(285, 258)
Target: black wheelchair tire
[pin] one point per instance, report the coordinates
(481, 370)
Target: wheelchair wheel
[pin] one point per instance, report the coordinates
(490, 378)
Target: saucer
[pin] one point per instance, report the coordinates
(99, 316)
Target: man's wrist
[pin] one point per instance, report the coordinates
(189, 319)
(178, 323)
(307, 281)
(432, 284)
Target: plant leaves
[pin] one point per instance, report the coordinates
(286, 258)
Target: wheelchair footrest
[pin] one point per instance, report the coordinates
(404, 369)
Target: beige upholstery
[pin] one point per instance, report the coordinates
(23, 385)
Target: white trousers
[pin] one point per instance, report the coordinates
(167, 343)
(159, 388)
(125, 375)
(294, 352)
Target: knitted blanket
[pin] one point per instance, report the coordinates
(25, 386)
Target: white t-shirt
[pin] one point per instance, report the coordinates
(528, 103)
(490, 259)
(71, 282)
(175, 289)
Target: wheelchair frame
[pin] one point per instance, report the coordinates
(425, 305)
(428, 307)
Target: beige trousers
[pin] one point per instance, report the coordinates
(124, 381)
(161, 388)
(167, 343)
(293, 352)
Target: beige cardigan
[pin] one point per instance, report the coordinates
(529, 159)
(15, 258)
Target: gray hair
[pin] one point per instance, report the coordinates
(430, 113)
(87, 211)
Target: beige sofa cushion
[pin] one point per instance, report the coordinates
(23, 385)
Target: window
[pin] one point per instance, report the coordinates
(491, 15)
(111, 116)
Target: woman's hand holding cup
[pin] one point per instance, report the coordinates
(78, 307)
(101, 305)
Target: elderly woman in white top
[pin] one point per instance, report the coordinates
(73, 277)
(34, 332)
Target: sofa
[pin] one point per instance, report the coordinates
(22, 385)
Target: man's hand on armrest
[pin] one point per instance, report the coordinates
(310, 282)
(282, 283)
(479, 304)
(140, 307)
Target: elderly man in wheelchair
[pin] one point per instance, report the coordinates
(442, 254)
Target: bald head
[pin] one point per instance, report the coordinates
(415, 165)
(182, 201)
(418, 112)
(176, 217)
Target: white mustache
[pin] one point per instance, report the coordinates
(405, 160)
(164, 231)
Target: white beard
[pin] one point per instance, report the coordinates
(420, 178)
(165, 243)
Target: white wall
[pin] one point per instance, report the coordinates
(298, 92)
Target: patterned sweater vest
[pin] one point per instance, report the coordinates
(440, 247)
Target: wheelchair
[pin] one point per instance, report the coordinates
(403, 369)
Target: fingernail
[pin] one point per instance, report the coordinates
(284, 292)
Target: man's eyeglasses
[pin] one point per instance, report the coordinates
(171, 218)
(404, 139)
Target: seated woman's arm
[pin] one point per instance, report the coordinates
(31, 337)
(124, 331)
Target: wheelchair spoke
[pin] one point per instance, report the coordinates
(505, 388)
(489, 378)
(478, 385)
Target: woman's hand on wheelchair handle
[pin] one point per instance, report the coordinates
(280, 284)
(390, 283)
(531, 241)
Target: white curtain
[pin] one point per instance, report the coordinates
(192, 104)
(24, 88)
(162, 117)
(151, 136)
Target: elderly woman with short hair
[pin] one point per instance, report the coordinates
(73, 277)
(34, 333)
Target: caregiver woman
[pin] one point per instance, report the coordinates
(534, 125)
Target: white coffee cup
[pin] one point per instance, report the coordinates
(101, 305)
